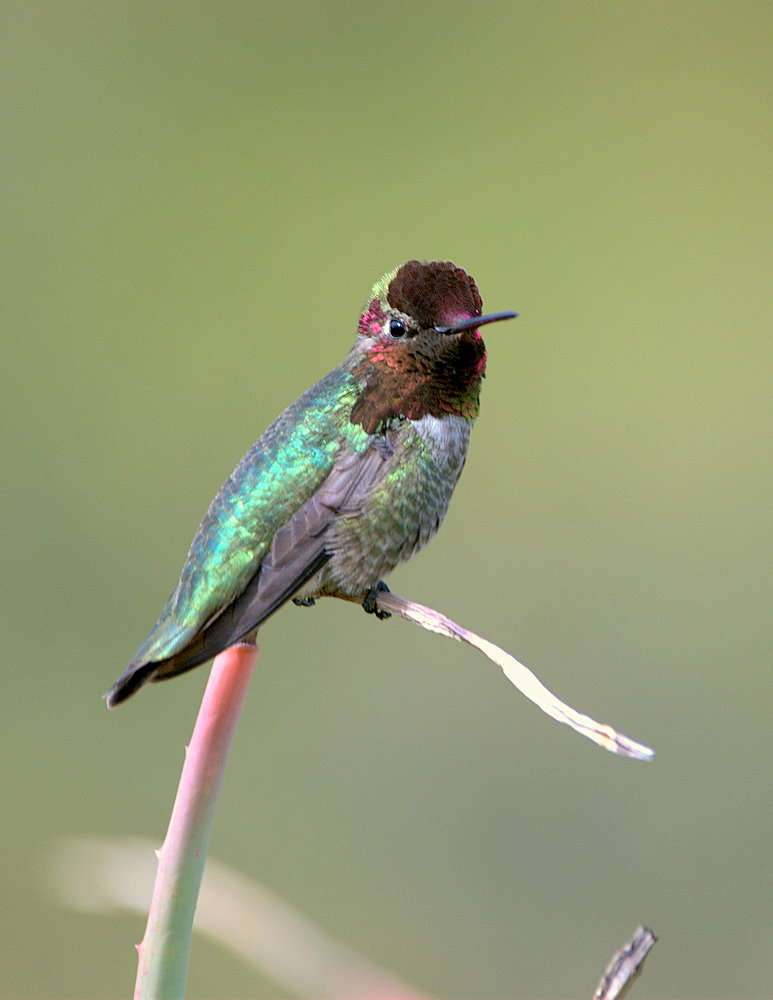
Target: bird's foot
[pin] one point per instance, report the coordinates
(304, 602)
(369, 604)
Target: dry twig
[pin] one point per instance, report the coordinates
(519, 675)
(625, 966)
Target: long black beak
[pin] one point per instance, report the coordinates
(475, 321)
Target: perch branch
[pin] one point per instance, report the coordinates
(519, 675)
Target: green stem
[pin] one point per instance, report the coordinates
(164, 951)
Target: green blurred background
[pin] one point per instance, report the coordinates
(196, 200)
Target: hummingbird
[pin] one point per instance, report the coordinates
(350, 480)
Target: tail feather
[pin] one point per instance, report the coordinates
(130, 681)
(233, 624)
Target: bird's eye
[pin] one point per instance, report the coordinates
(396, 328)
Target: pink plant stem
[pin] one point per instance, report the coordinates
(164, 951)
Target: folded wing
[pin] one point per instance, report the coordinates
(295, 553)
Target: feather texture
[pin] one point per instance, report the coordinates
(349, 481)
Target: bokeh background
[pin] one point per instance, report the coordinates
(196, 200)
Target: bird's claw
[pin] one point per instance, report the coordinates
(369, 604)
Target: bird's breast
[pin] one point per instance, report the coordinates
(447, 439)
(421, 466)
